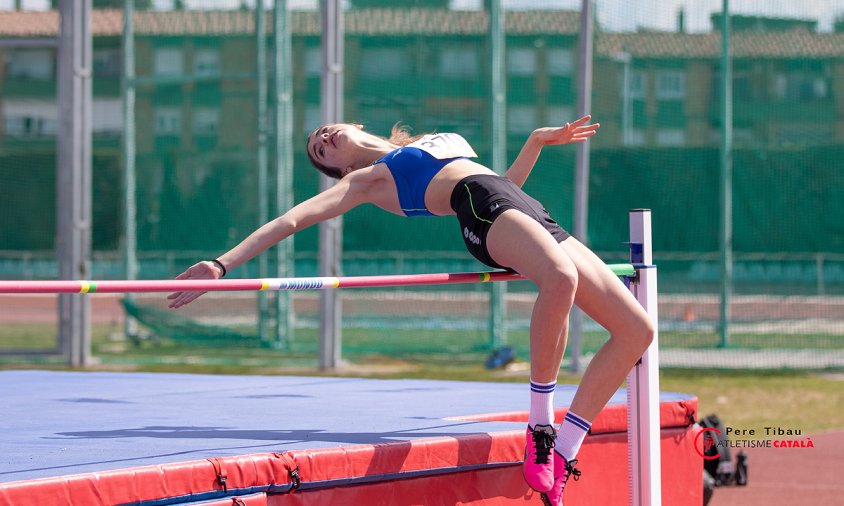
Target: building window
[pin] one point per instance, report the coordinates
(801, 86)
(670, 85)
(168, 61)
(801, 133)
(29, 126)
(313, 62)
(521, 119)
(168, 121)
(560, 62)
(670, 137)
(635, 137)
(638, 84)
(38, 64)
(458, 63)
(206, 120)
(313, 118)
(29, 118)
(521, 61)
(558, 115)
(820, 87)
(740, 136)
(384, 63)
(206, 63)
(106, 62)
(107, 116)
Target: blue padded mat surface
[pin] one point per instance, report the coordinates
(61, 423)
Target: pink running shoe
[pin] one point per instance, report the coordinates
(539, 466)
(563, 470)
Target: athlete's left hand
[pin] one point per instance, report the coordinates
(578, 131)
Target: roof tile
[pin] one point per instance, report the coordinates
(400, 22)
(795, 44)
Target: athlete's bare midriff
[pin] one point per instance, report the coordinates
(438, 194)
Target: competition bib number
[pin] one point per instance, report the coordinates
(442, 146)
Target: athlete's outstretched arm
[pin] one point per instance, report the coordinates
(348, 193)
(579, 131)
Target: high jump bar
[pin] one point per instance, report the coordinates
(230, 285)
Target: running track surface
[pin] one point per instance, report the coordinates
(791, 476)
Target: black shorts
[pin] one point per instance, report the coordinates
(479, 199)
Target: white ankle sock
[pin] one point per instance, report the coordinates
(541, 403)
(570, 436)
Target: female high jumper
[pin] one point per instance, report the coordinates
(502, 226)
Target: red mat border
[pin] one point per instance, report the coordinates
(311, 468)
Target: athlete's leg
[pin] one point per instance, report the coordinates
(602, 296)
(520, 243)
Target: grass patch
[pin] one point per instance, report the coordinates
(757, 399)
(754, 341)
(28, 336)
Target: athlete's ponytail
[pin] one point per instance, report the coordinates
(400, 135)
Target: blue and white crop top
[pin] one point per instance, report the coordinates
(413, 166)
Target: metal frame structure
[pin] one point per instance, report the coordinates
(283, 100)
(498, 125)
(643, 424)
(73, 178)
(130, 207)
(725, 235)
(331, 231)
(580, 226)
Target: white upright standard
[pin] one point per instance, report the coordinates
(643, 428)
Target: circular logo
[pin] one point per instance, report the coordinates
(708, 443)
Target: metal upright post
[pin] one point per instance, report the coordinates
(284, 164)
(263, 196)
(130, 236)
(73, 193)
(726, 179)
(581, 175)
(330, 232)
(626, 111)
(498, 291)
(643, 425)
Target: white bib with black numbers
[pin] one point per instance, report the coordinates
(443, 146)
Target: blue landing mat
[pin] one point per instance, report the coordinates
(61, 423)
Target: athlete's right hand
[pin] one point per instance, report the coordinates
(200, 270)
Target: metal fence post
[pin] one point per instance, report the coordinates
(73, 178)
